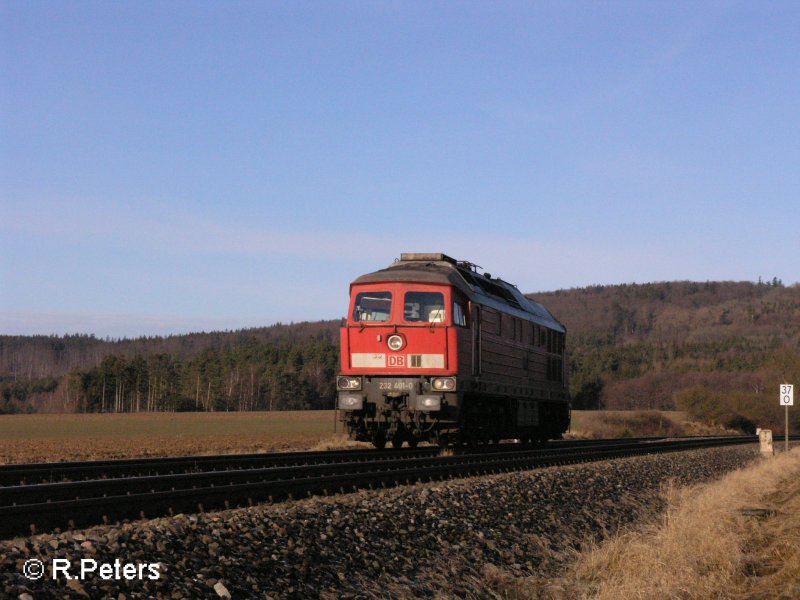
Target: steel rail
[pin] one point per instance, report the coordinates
(70, 490)
(28, 507)
(31, 473)
(51, 472)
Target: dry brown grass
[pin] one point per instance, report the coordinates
(703, 546)
(338, 441)
(600, 424)
(48, 437)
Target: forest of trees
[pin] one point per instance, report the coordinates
(716, 349)
(283, 367)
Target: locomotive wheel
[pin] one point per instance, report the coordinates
(397, 442)
(412, 442)
(379, 440)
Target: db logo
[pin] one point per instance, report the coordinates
(397, 360)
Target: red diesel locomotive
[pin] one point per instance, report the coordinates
(435, 351)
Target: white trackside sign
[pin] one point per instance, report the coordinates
(787, 394)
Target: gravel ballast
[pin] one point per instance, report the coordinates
(417, 541)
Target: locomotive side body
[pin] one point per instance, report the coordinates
(434, 351)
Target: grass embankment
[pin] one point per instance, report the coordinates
(46, 438)
(600, 424)
(738, 537)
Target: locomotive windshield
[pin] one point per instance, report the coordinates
(424, 307)
(373, 306)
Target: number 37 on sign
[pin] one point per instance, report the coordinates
(787, 394)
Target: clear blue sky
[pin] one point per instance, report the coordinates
(182, 166)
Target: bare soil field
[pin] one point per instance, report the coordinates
(66, 437)
(47, 438)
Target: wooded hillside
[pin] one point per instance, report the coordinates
(282, 367)
(718, 349)
(723, 345)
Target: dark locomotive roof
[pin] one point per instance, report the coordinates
(439, 268)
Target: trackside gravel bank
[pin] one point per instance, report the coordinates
(424, 540)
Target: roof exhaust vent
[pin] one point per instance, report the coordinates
(426, 256)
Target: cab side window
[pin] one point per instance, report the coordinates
(459, 314)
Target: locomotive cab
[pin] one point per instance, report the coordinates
(399, 376)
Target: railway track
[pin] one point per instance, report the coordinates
(35, 498)
(53, 472)
(22, 474)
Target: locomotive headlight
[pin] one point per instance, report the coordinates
(351, 402)
(429, 403)
(395, 342)
(444, 383)
(348, 383)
